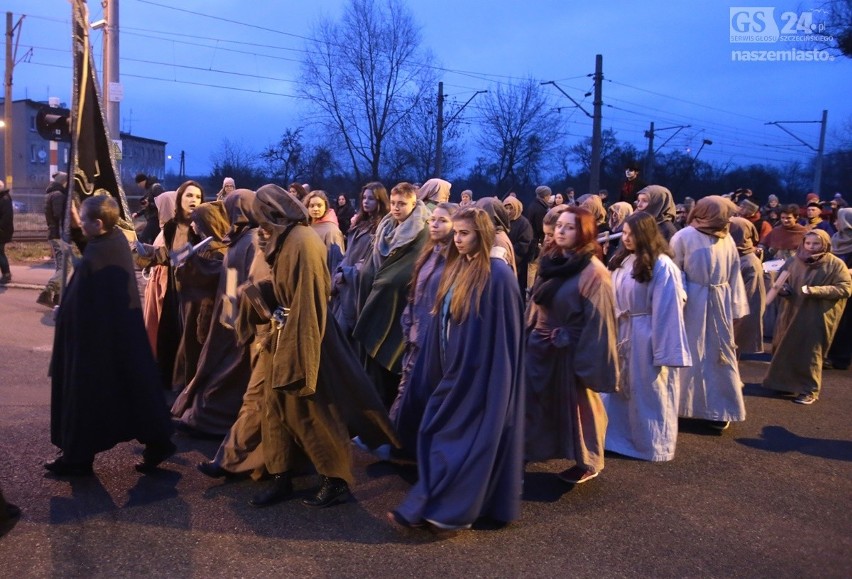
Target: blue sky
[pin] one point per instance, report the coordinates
(667, 62)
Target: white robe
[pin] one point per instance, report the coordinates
(711, 389)
(652, 343)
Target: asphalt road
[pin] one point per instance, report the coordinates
(771, 497)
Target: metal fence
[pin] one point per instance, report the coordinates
(30, 224)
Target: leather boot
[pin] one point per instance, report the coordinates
(332, 491)
(279, 490)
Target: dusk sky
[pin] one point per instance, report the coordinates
(216, 69)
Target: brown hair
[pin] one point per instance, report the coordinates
(320, 194)
(179, 216)
(102, 207)
(368, 220)
(467, 277)
(649, 245)
(451, 209)
(405, 189)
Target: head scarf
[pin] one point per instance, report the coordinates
(619, 212)
(814, 257)
(238, 206)
(712, 215)
(514, 207)
(841, 242)
(211, 220)
(496, 211)
(434, 191)
(165, 203)
(744, 234)
(279, 211)
(594, 204)
(661, 205)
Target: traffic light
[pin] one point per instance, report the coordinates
(54, 124)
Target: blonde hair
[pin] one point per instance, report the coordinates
(467, 277)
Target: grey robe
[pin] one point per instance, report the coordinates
(711, 389)
(652, 343)
(807, 323)
(748, 330)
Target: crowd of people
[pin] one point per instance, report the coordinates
(470, 338)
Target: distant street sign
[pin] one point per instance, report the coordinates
(116, 92)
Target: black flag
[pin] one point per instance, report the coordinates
(92, 156)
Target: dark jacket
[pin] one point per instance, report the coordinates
(54, 209)
(7, 219)
(535, 212)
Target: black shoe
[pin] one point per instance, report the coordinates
(12, 512)
(331, 492)
(45, 299)
(279, 490)
(154, 454)
(5, 278)
(211, 469)
(61, 468)
(720, 425)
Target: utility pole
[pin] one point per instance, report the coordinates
(439, 142)
(112, 88)
(820, 152)
(817, 185)
(650, 160)
(7, 97)
(649, 157)
(595, 168)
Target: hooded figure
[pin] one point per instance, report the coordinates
(661, 206)
(210, 402)
(196, 282)
(711, 389)
(503, 247)
(813, 299)
(521, 236)
(316, 391)
(748, 330)
(434, 191)
(840, 354)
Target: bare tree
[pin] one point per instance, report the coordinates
(233, 159)
(520, 132)
(415, 151)
(283, 159)
(366, 74)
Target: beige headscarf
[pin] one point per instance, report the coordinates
(594, 204)
(712, 215)
(618, 212)
(434, 191)
(165, 203)
(514, 207)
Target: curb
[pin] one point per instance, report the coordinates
(14, 285)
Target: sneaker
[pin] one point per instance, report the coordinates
(576, 475)
(719, 425)
(807, 399)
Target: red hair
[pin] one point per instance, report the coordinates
(587, 233)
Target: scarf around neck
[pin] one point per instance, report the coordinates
(554, 270)
(390, 236)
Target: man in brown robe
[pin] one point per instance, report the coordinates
(309, 410)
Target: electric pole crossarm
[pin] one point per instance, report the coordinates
(576, 104)
(666, 142)
(783, 128)
(452, 118)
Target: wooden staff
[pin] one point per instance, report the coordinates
(776, 287)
